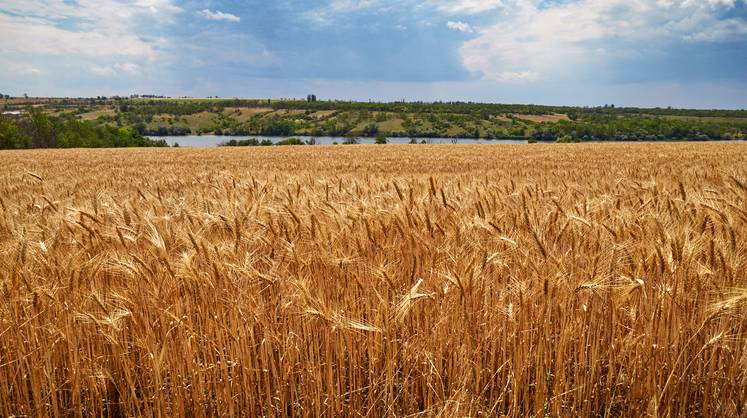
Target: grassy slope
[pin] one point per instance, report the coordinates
(472, 116)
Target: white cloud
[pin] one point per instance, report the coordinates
(460, 26)
(467, 7)
(111, 15)
(17, 68)
(103, 71)
(353, 5)
(327, 12)
(720, 31)
(126, 68)
(218, 15)
(37, 36)
(103, 38)
(158, 6)
(533, 40)
(103, 28)
(318, 17)
(515, 76)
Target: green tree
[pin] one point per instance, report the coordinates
(39, 128)
(350, 139)
(370, 130)
(380, 139)
(10, 138)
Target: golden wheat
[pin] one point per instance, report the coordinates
(581, 280)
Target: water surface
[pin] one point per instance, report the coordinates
(216, 140)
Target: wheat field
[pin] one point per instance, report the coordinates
(498, 280)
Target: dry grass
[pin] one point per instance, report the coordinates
(581, 280)
(98, 113)
(243, 114)
(552, 118)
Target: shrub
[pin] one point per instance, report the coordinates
(290, 141)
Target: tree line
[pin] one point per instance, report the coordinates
(35, 129)
(192, 106)
(607, 128)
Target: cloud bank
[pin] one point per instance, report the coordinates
(552, 41)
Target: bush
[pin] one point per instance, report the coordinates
(278, 127)
(251, 142)
(165, 131)
(290, 141)
(371, 130)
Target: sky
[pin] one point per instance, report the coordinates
(680, 53)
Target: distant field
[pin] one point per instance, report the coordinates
(527, 280)
(709, 119)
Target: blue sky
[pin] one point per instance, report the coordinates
(684, 53)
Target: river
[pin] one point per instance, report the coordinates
(215, 140)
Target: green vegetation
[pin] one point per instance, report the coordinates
(251, 142)
(290, 141)
(284, 118)
(254, 142)
(35, 129)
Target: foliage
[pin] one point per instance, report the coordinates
(285, 118)
(251, 142)
(10, 138)
(37, 130)
(290, 141)
(164, 131)
(606, 128)
(370, 130)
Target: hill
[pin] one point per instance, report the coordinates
(164, 117)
